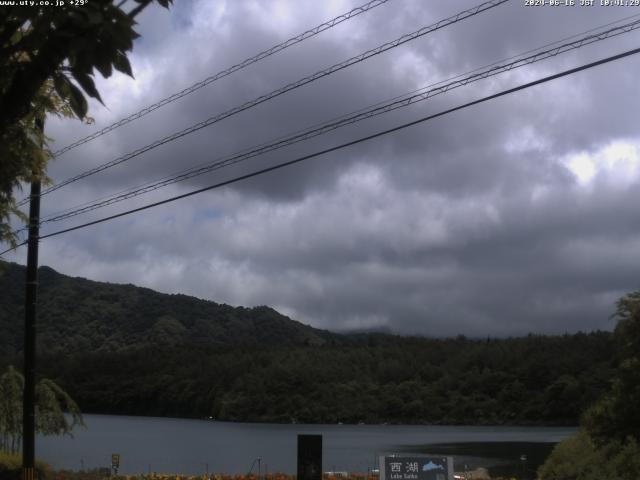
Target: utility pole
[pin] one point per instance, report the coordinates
(28, 400)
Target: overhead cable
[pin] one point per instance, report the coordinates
(378, 109)
(382, 102)
(345, 145)
(224, 73)
(291, 86)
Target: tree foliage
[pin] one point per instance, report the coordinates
(609, 444)
(127, 350)
(11, 387)
(47, 61)
(56, 412)
(78, 315)
(25, 151)
(393, 380)
(617, 416)
(578, 458)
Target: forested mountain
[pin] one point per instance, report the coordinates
(78, 315)
(531, 380)
(127, 350)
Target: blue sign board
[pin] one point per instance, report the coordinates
(416, 468)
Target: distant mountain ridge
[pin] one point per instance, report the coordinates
(76, 315)
(127, 350)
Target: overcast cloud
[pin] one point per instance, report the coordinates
(515, 216)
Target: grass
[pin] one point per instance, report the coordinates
(11, 467)
(95, 475)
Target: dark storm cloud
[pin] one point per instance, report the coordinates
(505, 218)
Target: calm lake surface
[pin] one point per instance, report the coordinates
(168, 445)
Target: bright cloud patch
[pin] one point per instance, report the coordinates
(513, 216)
(617, 163)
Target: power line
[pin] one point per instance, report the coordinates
(347, 144)
(291, 86)
(245, 63)
(497, 62)
(292, 138)
(207, 164)
(378, 109)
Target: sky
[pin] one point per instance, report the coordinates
(515, 216)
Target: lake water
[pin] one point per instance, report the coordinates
(168, 445)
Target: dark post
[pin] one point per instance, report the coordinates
(309, 457)
(28, 400)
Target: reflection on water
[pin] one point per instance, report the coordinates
(171, 445)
